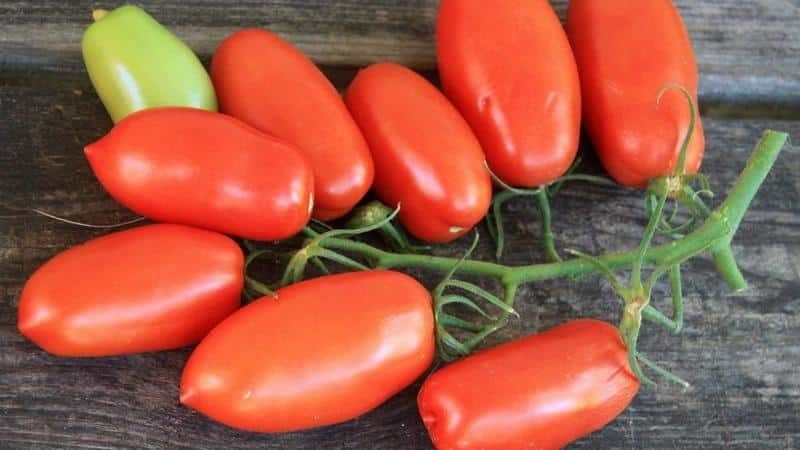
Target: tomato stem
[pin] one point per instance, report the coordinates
(652, 365)
(397, 239)
(649, 233)
(320, 265)
(630, 327)
(494, 221)
(339, 258)
(604, 270)
(581, 177)
(715, 234)
(375, 212)
(547, 227)
(713, 229)
(737, 203)
(654, 315)
(259, 288)
(726, 264)
(450, 346)
(676, 285)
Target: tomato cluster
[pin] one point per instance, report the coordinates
(285, 146)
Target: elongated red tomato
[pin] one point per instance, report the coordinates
(195, 167)
(266, 82)
(507, 65)
(426, 157)
(155, 287)
(325, 351)
(627, 52)
(540, 392)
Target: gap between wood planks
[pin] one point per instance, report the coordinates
(720, 97)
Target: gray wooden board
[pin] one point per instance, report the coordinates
(741, 350)
(747, 51)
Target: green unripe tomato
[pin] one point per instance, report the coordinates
(135, 63)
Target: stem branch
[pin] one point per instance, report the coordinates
(720, 225)
(547, 226)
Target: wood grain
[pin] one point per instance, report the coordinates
(747, 51)
(741, 351)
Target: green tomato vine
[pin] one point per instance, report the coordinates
(462, 309)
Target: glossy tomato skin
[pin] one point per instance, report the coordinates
(627, 52)
(151, 288)
(325, 351)
(508, 67)
(135, 63)
(271, 85)
(200, 168)
(540, 392)
(426, 157)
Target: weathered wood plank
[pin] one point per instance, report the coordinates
(747, 51)
(741, 351)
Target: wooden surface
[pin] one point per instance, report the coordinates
(741, 351)
(747, 51)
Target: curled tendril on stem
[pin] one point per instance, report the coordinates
(680, 170)
(450, 347)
